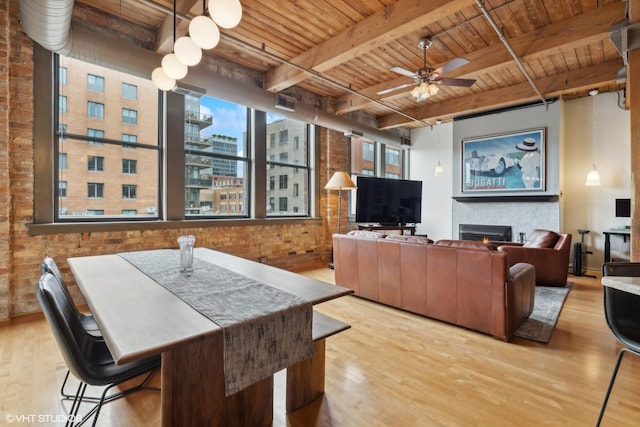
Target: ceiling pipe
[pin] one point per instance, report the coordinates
(48, 23)
(511, 51)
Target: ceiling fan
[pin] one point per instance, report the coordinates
(428, 78)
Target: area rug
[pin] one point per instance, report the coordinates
(546, 309)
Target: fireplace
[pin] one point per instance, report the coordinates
(480, 232)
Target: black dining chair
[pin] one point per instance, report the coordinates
(80, 352)
(622, 312)
(88, 322)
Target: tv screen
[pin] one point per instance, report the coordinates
(388, 201)
(623, 208)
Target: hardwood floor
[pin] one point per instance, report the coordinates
(391, 368)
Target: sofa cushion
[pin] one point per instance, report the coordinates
(365, 233)
(410, 239)
(469, 244)
(541, 239)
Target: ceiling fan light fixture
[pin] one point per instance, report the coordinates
(424, 91)
(204, 32)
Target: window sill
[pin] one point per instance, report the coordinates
(86, 227)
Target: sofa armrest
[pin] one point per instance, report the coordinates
(521, 272)
(520, 295)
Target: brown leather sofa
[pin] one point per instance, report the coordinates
(464, 283)
(547, 251)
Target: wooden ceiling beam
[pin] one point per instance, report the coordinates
(570, 33)
(164, 34)
(550, 86)
(392, 22)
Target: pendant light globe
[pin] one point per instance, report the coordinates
(187, 51)
(226, 13)
(204, 32)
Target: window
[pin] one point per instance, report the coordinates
(95, 110)
(128, 191)
(284, 179)
(96, 164)
(392, 156)
(129, 116)
(62, 75)
(216, 162)
(131, 139)
(368, 151)
(218, 157)
(62, 161)
(62, 103)
(129, 166)
(289, 175)
(392, 162)
(62, 189)
(282, 204)
(95, 190)
(284, 137)
(95, 83)
(129, 91)
(95, 133)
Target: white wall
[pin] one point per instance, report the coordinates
(588, 129)
(596, 131)
(429, 146)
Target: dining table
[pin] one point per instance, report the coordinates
(222, 332)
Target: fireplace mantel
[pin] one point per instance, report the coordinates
(489, 199)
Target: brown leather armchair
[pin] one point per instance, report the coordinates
(547, 251)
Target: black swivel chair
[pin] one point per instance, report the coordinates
(622, 311)
(96, 341)
(90, 366)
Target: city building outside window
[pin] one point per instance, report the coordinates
(62, 103)
(291, 170)
(216, 157)
(91, 142)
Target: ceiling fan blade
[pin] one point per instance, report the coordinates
(391, 89)
(402, 71)
(454, 82)
(452, 65)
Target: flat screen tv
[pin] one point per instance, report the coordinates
(388, 201)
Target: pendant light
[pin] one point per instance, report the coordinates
(225, 13)
(187, 51)
(161, 80)
(204, 32)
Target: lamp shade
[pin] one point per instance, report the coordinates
(593, 177)
(204, 32)
(226, 13)
(187, 51)
(161, 80)
(340, 181)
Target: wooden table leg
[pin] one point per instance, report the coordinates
(305, 380)
(193, 390)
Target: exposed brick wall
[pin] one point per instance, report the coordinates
(5, 195)
(291, 246)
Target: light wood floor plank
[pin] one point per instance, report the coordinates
(391, 368)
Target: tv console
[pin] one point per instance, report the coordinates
(379, 227)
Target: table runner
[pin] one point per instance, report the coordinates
(265, 329)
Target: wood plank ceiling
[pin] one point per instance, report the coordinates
(348, 48)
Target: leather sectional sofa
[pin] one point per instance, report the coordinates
(459, 282)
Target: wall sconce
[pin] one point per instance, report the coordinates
(438, 171)
(593, 177)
